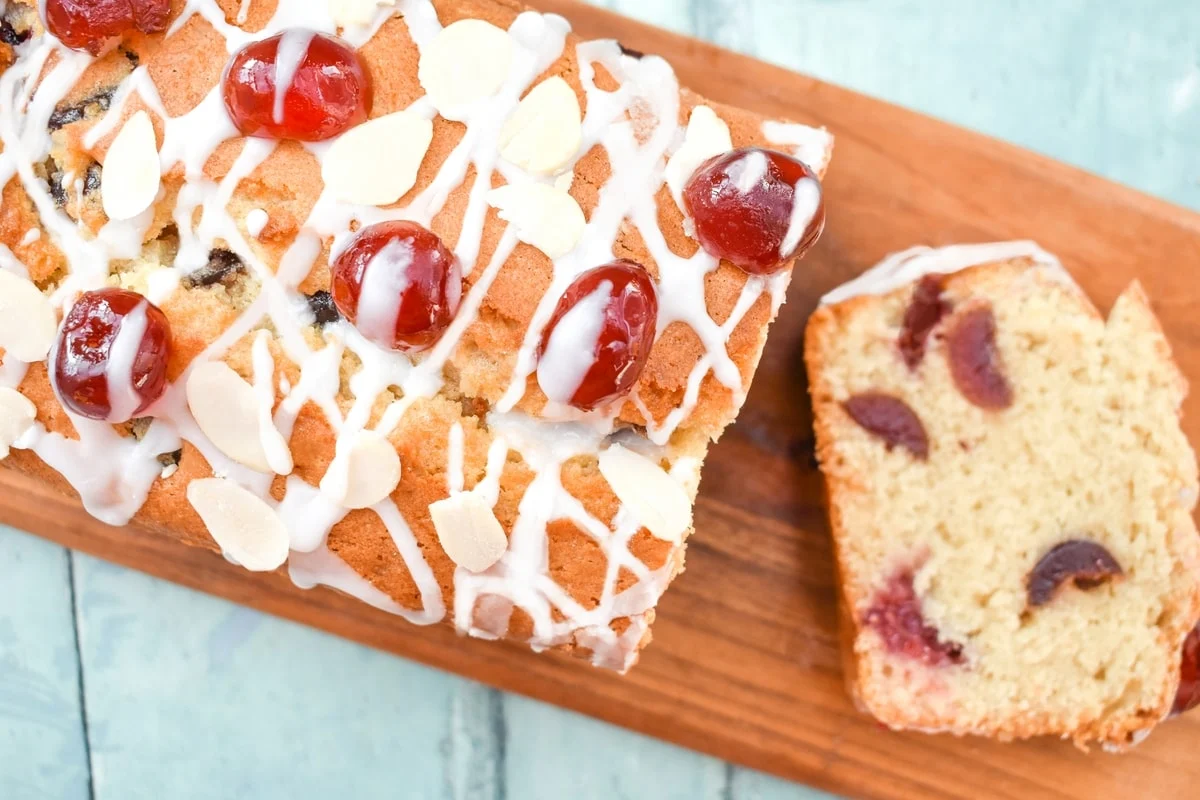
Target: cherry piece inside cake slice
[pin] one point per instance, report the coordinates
(1011, 497)
(430, 302)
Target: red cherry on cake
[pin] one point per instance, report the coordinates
(757, 208)
(297, 85)
(110, 361)
(92, 25)
(398, 284)
(599, 338)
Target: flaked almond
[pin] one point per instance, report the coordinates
(376, 163)
(469, 531)
(544, 217)
(132, 170)
(657, 501)
(545, 132)
(17, 415)
(241, 523)
(365, 471)
(352, 13)
(466, 62)
(226, 408)
(707, 136)
(28, 323)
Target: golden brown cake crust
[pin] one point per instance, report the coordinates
(863, 484)
(184, 67)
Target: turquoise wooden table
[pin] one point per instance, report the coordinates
(116, 686)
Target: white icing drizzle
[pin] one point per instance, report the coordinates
(384, 283)
(805, 203)
(746, 173)
(279, 455)
(113, 474)
(293, 47)
(256, 221)
(243, 12)
(571, 348)
(908, 266)
(122, 393)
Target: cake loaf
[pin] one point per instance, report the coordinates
(428, 302)
(1011, 498)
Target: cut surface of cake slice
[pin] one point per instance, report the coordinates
(429, 301)
(1011, 498)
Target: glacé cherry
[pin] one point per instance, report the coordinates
(398, 284)
(100, 375)
(757, 208)
(1188, 696)
(625, 337)
(326, 89)
(896, 615)
(92, 25)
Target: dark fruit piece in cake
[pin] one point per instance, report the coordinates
(1080, 561)
(925, 311)
(223, 267)
(1188, 696)
(891, 419)
(974, 361)
(323, 309)
(895, 614)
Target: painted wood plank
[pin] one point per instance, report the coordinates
(552, 753)
(42, 749)
(193, 697)
(1112, 86)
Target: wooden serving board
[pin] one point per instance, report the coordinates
(745, 662)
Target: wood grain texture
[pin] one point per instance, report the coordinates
(744, 664)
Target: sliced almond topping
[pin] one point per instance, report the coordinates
(545, 217)
(466, 62)
(28, 323)
(17, 415)
(469, 531)
(226, 409)
(545, 132)
(351, 13)
(707, 136)
(376, 163)
(364, 472)
(655, 499)
(132, 171)
(246, 528)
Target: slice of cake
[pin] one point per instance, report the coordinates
(1011, 498)
(427, 301)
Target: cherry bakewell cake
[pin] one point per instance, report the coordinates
(1011, 497)
(430, 302)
